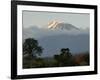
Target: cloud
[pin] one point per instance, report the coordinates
(38, 32)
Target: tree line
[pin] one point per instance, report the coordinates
(31, 51)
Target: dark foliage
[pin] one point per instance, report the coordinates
(31, 50)
(65, 57)
(31, 47)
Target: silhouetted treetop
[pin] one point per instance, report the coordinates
(31, 47)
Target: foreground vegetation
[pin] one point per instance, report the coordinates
(31, 50)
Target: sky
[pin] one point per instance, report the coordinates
(41, 19)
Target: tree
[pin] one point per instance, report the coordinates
(66, 52)
(65, 57)
(31, 47)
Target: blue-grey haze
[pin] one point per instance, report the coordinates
(53, 40)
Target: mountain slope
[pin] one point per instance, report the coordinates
(62, 35)
(53, 44)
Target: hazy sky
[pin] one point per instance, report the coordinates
(41, 19)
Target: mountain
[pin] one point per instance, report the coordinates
(59, 35)
(53, 44)
(61, 26)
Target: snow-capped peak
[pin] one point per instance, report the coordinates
(61, 25)
(52, 24)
